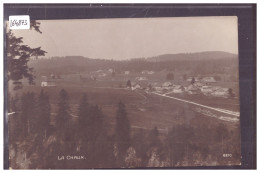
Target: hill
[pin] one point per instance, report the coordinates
(212, 55)
(192, 63)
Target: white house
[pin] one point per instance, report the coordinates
(147, 72)
(150, 72)
(136, 86)
(221, 92)
(140, 78)
(102, 75)
(48, 83)
(178, 89)
(127, 72)
(166, 84)
(190, 79)
(192, 89)
(208, 79)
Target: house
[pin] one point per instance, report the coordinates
(147, 72)
(190, 79)
(209, 79)
(191, 89)
(221, 92)
(140, 78)
(98, 71)
(46, 82)
(158, 89)
(206, 90)
(167, 84)
(136, 86)
(127, 72)
(102, 75)
(198, 84)
(150, 72)
(144, 72)
(178, 89)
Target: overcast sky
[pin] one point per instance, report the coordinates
(134, 38)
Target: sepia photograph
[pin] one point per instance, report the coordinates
(123, 93)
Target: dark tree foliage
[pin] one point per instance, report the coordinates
(177, 142)
(231, 93)
(44, 114)
(122, 131)
(13, 103)
(184, 145)
(92, 139)
(192, 81)
(153, 138)
(221, 133)
(63, 116)
(128, 84)
(140, 145)
(84, 117)
(28, 119)
(18, 56)
(184, 77)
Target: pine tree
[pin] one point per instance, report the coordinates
(83, 112)
(175, 145)
(28, 118)
(128, 84)
(63, 116)
(82, 125)
(44, 113)
(139, 142)
(122, 131)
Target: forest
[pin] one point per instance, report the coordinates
(205, 63)
(37, 142)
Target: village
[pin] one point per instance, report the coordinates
(145, 80)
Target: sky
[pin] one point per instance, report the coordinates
(120, 39)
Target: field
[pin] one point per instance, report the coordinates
(144, 110)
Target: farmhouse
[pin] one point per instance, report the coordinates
(158, 89)
(208, 79)
(102, 75)
(140, 78)
(192, 89)
(198, 84)
(190, 79)
(178, 89)
(167, 84)
(221, 92)
(136, 86)
(208, 90)
(47, 82)
(147, 72)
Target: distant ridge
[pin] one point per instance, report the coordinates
(197, 63)
(209, 55)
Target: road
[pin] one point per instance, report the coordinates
(200, 105)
